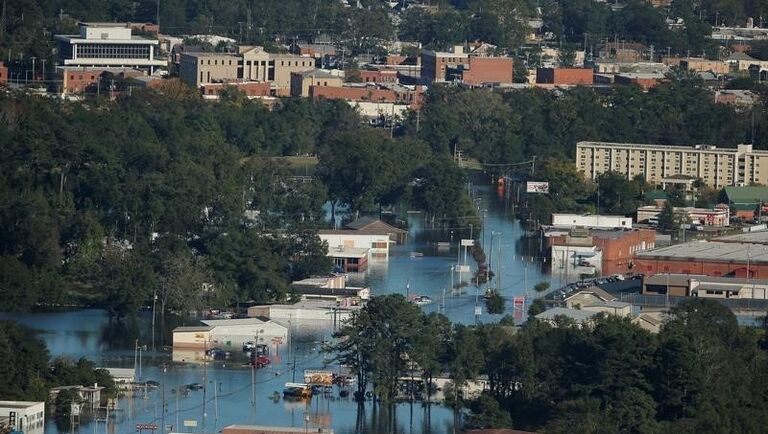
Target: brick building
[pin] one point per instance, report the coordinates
(3, 73)
(76, 80)
(378, 76)
(711, 258)
(251, 89)
(644, 81)
(369, 93)
(567, 76)
(488, 70)
(613, 249)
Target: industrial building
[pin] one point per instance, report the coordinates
(716, 167)
(685, 285)
(594, 221)
(708, 258)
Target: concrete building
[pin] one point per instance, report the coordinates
(283, 65)
(717, 217)
(27, 417)
(700, 64)
(381, 93)
(109, 45)
(255, 64)
(309, 310)
(329, 287)
(717, 167)
(565, 76)
(199, 68)
(685, 285)
(617, 308)
(302, 81)
(593, 221)
(708, 258)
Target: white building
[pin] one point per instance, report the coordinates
(27, 417)
(572, 261)
(232, 333)
(377, 244)
(110, 45)
(591, 221)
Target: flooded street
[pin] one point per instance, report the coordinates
(228, 400)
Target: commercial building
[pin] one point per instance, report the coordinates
(328, 287)
(228, 333)
(308, 310)
(110, 45)
(708, 258)
(700, 64)
(643, 80)
(474, 68)
(302, 81)
(376, 244)
(594, 221)
(76, 79)
(579, 251)
(27, 417)
(382, 93)
(283, 65)
(565, 76)
(717, 167)
(747, 201)
(198, 68)
(348, 259)
(684, 285)
(378, 75)
(717, 217)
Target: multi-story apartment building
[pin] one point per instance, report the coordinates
(717, 167)
(109, 45)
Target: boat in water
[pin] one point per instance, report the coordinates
(420, 300)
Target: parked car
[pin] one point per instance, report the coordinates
(194, 386)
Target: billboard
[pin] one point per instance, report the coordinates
(313, 376)
(537, 187)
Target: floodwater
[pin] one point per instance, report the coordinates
(231, 396)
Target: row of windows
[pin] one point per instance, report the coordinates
(100, 51)
(216, 62)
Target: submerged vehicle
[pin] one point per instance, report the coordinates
(297, 390)
(420, 300)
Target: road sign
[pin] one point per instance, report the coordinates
(277, 340)
(467, 242)
(190, 423)
(146, 426)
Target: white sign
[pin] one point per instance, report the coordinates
(478, 310)
(467, 243)
(190, 423)
(537, 187)
(463, 269)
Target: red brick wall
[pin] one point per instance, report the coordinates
(250, 89)
(366, 94)
(378, 76)
(617, 252)
(713, 269)
(3, 73)
(644, 83)
(78, 81)
(489, 70)
(571, 76)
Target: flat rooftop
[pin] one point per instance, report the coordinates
(757, 237)
(19, 404)
(687, 148)
(710, 251)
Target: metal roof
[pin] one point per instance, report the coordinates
(712, 251)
